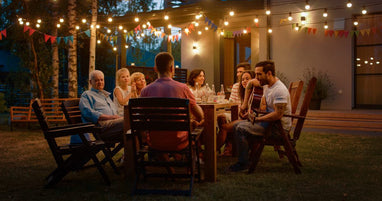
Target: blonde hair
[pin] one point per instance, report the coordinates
(119, 73)
(136, 75)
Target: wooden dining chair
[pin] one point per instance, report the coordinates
(70, 157)
(72, 114)
(149, 115)
(284, 140)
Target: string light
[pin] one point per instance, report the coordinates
(126, 46)
(124, 31)
(355, 22)
(270, 30)
(186, 30)
(268, 12)
(307, 6)
(166, 17)
(231, 13)
(290, 18)
(197, 17)
(222, 33)
(143, 34)
(97, 26)
(21, 22)
(58, 25)
(84, 20)
(99, 41)
(38, 21)
(77, 27)
(61, 20)
(226, 23)
(144, 26)
(38, 25)
(169, 26)
(108, 31)
(199, 32)
(20, 19)
(349, 4)
(27, 23)
(256, 20)
(364, 11)
(109, 19)
(115, 48)
(303, 20)
(326, 25)
(91, 26)
(136, 19)
(245, 30)
(206, 28)
(148, 23)
(120, 27)
(196, 24)
(325, 14)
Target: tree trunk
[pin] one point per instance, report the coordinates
(55, 59)
(93, 37)
(72, 58)
(36, 74)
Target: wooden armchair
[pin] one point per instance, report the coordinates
(72, 114)
(70, 157)
(286, 141)
(150, 115)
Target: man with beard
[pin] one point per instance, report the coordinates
(276, 101)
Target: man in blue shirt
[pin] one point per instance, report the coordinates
(97, 107)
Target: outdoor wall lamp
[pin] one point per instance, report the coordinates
(195, 48)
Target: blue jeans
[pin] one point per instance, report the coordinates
(242, 130)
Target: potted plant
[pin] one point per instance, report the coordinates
(323, 89)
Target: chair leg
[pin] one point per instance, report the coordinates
(291, 156)
(100, 169)
(108, 158)
(256, 150)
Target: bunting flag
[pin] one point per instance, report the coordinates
(346, 33)
(46, 37)
(374, 30)
(368, 32)
(87, 32)
(53, 39)
(70, 38)
(4, 32)
(314, 31)
(363, 31)
(66, 40)
(59, 40)
(31, 31)
(336, 33)
(1, 37)
(26, 28)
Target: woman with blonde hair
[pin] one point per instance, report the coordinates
(138, 82)
(122, 92)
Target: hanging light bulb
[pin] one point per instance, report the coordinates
(196, 24)
(120, 27)
(21, 22)
(364, 11)
(186, 30)
(290, 18)
(110, 19)
(326, 25)
(84, 20)
(197, 17)
(268, 12)
(349, 4)
(245, 30)
(199, 32)
(325, 14)
(148, 23)
(169, 26)
(206, 28)
(307, 6)
(38, 25)
(144, 26)
(126, 46)
(136, 19)
(355, 22)
(91, 26)
(27, 23)
(296, 27)
(231, 13)
(97, 26)
(256, 20)
(58, 25)
(226, 23)
(77, 27)
(115, 48)
(124, 31)
(166, 17)
(38, 21)
(108, 31)
(303, 20)
(270, 30)
(222, 33)
(143, 34)
(20, 19)
(61, 20)
(99, 41)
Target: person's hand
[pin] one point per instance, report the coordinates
(243, 114)
(133, 87)
(252, 116)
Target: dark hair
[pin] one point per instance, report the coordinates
(244, 65)
(241, 88)
(195, 73)
(267, 66)
(163, 62)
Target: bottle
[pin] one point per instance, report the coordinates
(213, 92)
(221, 94)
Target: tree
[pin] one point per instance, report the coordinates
(92, 49)
(72, 59)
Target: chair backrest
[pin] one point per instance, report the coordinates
(40, 114)
(72, 111)
(295, 90)
(159, 114)
(304, 108)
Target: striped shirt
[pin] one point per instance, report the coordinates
(234, 97)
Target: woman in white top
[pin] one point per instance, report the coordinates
(122, 92)
(197, 83)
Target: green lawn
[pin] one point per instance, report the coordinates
(335, 167)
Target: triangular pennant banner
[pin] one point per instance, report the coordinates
(368, 31)
(66, 40)
(356, 33)
(31, 31)
(46, 37)
(70, 38)
(341, 33)
(346, 33)
(53, 39)
(87, 32)
(26, 28)
(314, 31)
(1, 37)
(331, 32)
(58, 40)
(4, 33)
(309, 30)
(363, 32)
(336, 33)
(206, 19)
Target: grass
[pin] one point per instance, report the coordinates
(336, 167)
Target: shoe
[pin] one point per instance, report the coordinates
(237, 167)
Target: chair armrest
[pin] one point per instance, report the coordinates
(70, 125)
(285, 115)
(72, 130)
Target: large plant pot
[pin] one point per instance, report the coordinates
(315, 104)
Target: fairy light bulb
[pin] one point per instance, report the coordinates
(84, 20)
(326, 25)
(196, 24)
(256, 20)
(109, 19)
(268, 12)
(166, 17)
(206, 28)
(325, 13)
(99, 41)
(92, 26)
(77, 27)
(199, 32)
(27, 23)
(226, 23)
(108, 31)
(245, 31)
(231, 13)
(61, 20)
(20, 19)
(115, 48)
(349, 4)
(303, 20)
(126, 46)
(143, 34)
(290, 18)
(197, 17)
(124, 31)
(120, 27)
(270, 30)
(21, 22)
(144, 26)
(364, 11)
(38, 25)
(97, 26)
(355, 23)
(39, 21)
(186, 30)
(222, 33)
(136, 19)
(169, 26)
(58, 25)
(307, 6)
(296, 27)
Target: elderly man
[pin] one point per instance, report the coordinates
(277, 101)
(165, 86)
(97, 107)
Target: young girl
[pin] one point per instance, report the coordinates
(122, 92)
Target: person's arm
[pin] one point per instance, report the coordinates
(91, 115)
(134, 93)
(119, 96)
(273, 116)
(197, 111)
(251, 84)
(104, 117)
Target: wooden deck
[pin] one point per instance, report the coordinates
(357, 120)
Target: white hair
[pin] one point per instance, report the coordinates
(94, 73)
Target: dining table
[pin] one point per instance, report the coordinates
(211, 111)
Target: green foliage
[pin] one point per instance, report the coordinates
(324, 86)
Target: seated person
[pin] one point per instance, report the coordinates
(122, 92)
(97, 107)
(138, 82)
(165, 86)
(197, 83)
